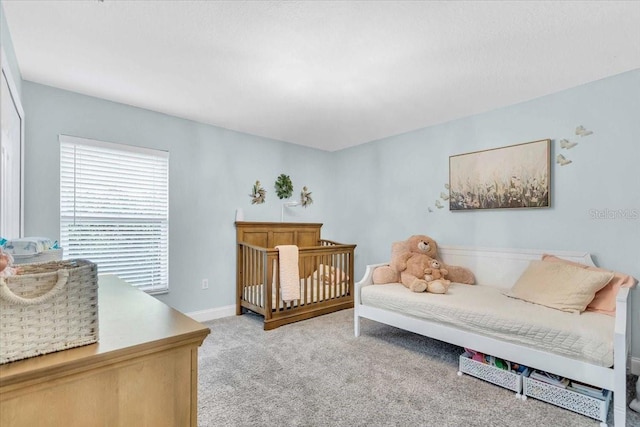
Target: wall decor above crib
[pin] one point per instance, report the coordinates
(284, 190)
(305, 197)
(284, 186)
(515, 176)
(258, 194)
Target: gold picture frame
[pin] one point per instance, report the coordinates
(511, 177)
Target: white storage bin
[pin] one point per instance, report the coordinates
(507, 379)
(44, 256)
(569, 399)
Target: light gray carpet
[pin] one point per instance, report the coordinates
(316, 373)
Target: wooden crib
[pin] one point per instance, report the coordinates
(325, 267)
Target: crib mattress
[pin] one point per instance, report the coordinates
(311, 291)
(484, 310)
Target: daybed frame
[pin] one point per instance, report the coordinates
(257, 269)
(502, 268)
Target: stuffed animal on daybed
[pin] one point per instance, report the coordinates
(435, 270)
(435, 274)
(420, 244)
(400, 252)
(416, 274)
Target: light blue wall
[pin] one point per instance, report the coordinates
(370, 195)
(211, 172)
(390, 183)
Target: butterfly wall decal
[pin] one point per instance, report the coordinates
(565, 143)
(581, 131)
(439, 205)
(563, 161)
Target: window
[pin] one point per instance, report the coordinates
(114, 209)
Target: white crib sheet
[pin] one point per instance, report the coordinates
(310, 292)
(484, 310)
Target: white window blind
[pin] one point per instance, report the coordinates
(114, 209)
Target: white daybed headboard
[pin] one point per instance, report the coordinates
(501, 267)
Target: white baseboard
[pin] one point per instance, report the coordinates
(635, 365)
(213, 313)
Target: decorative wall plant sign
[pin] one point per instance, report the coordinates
(284, 187)
(305, 197)
(258, 194)
(516, 176)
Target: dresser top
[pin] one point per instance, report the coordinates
(130, 322)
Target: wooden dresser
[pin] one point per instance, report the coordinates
(142, 372)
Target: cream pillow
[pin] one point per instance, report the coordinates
(605, 299)
(557, 285)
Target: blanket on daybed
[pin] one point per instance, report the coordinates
(484, 310)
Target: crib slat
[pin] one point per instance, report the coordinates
(255, 280)
(267, 294)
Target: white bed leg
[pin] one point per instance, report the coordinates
(635, 403)
(619, 397)
(621, 343)
(619, 410)
(356, 325)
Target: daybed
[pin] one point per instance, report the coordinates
(324, 266)
(588, 347)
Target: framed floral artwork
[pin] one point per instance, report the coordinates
(515, 176)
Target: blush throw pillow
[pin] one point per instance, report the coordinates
(558, 285)
(605, 299)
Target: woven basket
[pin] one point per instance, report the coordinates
(48, 307)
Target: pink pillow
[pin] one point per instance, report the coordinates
(605, 299)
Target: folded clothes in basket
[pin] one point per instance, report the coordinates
(29, 245)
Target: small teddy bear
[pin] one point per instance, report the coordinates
(435, 271)
(435, 277)
(412, 272)
(418, 275)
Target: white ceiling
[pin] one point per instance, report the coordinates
(322, 74)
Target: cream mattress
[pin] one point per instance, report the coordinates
(311, 291)
(484, 310)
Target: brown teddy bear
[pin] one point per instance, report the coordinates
(435, 270)
(435, 277)
(419, 275)
(400, 252)
(418, 244)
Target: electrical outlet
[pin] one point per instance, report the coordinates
(205, 283)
